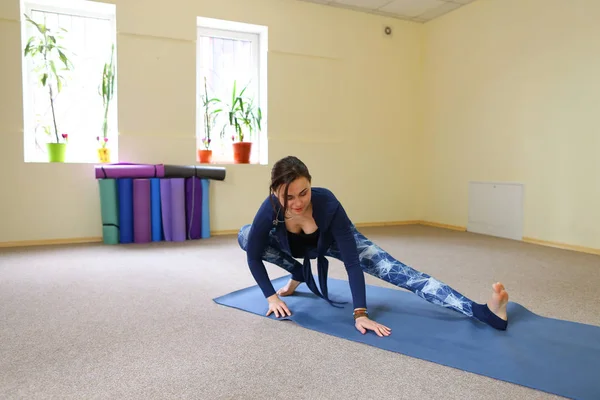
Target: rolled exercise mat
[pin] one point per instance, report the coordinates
(129, 171)
(193, 208)
(142, 212)
(156, 221)
(178, 209)
(165, 208)
(547, 354)
(110, 234)
(199, 171)
(109, 210)
(125, 186)
(205, 209)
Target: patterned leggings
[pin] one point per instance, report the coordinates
(375, 261)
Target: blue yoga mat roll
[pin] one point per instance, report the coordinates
(157, 234)
(551, 355)
(125, 210)
(205, 210)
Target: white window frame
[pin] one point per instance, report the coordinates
(258, 36)
(80, 8)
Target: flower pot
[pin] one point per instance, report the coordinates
(104, 155)
(56, 152)
(205, 156)
(241, 152)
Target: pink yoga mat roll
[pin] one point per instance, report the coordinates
(129, 171)
(142, 211)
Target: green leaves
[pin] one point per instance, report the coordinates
(106, 89)
(44, 50)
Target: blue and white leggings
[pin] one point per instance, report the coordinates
(377, 262)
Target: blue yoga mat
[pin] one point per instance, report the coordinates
(205, 210)
(126, 210)
(546, 354)
(156, 220)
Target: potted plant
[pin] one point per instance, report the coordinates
(43, 47)
(242, 114)
(210, 114)
(106, 89)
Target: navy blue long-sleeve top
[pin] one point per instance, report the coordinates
(333, 225)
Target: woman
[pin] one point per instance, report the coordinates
(300, 221)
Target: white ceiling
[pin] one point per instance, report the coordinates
(412, 10)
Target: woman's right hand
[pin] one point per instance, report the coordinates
(277, 306)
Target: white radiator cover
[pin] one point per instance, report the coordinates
(496, 209)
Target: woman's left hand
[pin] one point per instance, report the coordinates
(364, 323)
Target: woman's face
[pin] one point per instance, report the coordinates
(298, 197)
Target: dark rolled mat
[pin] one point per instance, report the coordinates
(199, 171)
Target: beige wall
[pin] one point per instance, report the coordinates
(512, 93)
(500, 90)
(364, 128)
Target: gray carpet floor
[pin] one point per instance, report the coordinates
(138, 321)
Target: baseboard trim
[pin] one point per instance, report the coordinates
(444, 226)
(225, 232)
(48, 242)
(381, 224)
(564, 246)
(547, 243)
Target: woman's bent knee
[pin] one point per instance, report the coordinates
(243, 236)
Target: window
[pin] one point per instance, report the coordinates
(230, 56)
(87, 33)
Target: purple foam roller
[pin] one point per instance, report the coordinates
(142, 211)
(193, 207)
(178, 209)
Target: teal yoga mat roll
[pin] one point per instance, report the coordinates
(157, 234)
(110, 234)
(109, 210)
(205, 210)
(125, 209)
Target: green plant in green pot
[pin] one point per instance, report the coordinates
(46, 53)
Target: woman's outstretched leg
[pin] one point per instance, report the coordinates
(274, 255)
(377, 262)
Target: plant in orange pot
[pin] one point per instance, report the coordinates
(210, 113)
(242, 116)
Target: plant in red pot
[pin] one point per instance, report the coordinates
(245, 119)
(209, 118)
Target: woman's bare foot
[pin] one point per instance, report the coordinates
(288, 289)
(497, 304)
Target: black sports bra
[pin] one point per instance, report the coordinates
(301, 242)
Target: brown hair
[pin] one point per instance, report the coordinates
(284, 172)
